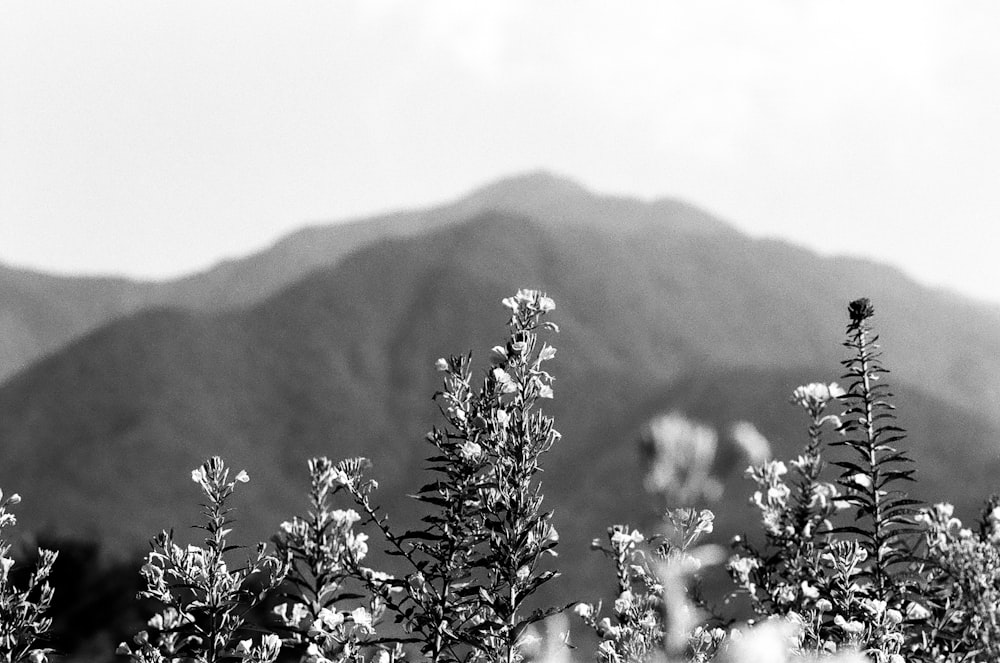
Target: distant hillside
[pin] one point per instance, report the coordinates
(100, 437)
(39, 313)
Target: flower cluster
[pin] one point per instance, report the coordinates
(480, 553)
(204, 601)
(23, 620)
(679, 454)
(652, 612)
(962, 611)
(325, 556)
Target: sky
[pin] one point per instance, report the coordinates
(152, 139)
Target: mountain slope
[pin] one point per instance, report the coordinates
(39, 313)
(100, 438)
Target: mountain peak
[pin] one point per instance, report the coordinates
(530, 186)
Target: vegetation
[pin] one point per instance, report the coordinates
(846, 566)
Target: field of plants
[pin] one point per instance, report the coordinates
(843, 565)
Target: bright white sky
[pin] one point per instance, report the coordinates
(155, 138)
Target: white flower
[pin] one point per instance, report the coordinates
(330, 619)
(624, 602)
(358, 545)
(362, 618)
(5, 565)
(585, 610)
(441, 364)
(243, 477)
(624, 538)
(345, 518)
(850, 627)
(505, 380)
(470, 450)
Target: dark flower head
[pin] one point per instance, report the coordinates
(860, 309)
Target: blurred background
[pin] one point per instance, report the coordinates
(250, 229)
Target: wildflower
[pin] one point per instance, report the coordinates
(584, 610)
(441, 364)
(506, 382)
(624, 602)
(849, 627)
(917, 612)
(329, 619)
(874, 607)
(292, 613)
(6, 563)
(608, 631)
(362, 618)
(620, 537)
(345, 518)
(470, 450)
(357, 544)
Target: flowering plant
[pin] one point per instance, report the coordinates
(23, 620)
(205, 603)
(325, 554)
(819, 588)
(479, 556)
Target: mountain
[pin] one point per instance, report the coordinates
(39, 312)
(100, 437)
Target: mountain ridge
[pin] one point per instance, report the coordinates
(40, 312)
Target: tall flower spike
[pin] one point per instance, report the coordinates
(883, 511)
